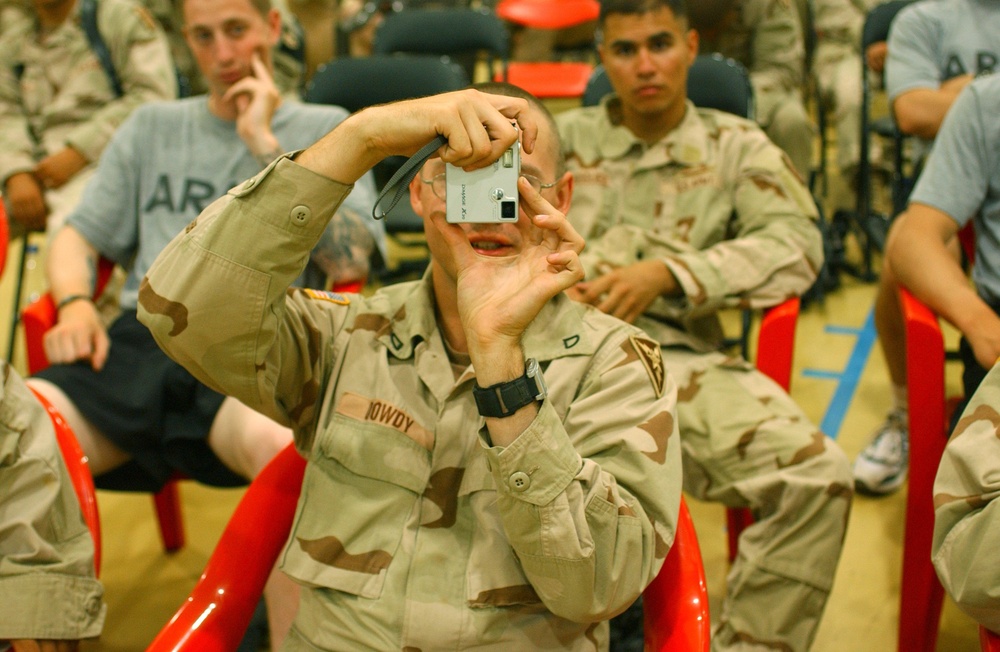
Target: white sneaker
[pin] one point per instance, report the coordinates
(881, 467)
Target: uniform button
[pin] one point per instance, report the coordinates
(520, 481)
(301, 214)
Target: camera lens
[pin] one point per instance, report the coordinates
(508, 209)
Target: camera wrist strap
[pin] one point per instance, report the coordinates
(400, 181)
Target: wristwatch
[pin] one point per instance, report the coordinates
(504, 399)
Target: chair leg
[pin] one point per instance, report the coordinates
(27, 249)
(168, 513)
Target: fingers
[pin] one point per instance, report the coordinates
(454, 237)
(546, 217)
(518, 109)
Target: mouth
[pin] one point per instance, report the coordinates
(491, 247)
(648, 91)
(230, 77)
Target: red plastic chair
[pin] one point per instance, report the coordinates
(549, 79)
(79, 473)
(675, 604)
(775, 348)
(988, 641)
(216, 614)
(4, 237)
(921, 592)
(38, 317)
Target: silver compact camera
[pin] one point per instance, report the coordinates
(485, 195)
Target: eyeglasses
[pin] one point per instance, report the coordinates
(440, 188)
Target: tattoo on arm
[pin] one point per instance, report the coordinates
(344, 249)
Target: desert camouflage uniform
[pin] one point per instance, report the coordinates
(47, 585)
(718, 203)
(966, 509)
(837, 65)
(766, 37)
(412, 531)
(64, 97)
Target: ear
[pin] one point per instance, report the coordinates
(693, 41)
(416, 198)
(273, 27)
(564, 194)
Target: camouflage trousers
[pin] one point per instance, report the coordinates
(745, 443)
(838, 73)
(783, 117)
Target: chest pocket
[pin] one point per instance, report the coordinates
(494, 577)
(358, 493)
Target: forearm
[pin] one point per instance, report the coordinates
(923, 264)
(71, 265)
(596, 516)
(585, 542)
(346, 153)
(921, 111)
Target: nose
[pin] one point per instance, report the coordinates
(644, 62)
(223, 48)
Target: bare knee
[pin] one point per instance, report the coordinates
(246, 440)
(102, 454)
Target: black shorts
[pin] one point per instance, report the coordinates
(150, 407)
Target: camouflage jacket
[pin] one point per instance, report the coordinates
(714, 199)
(766, 37)
(48, 588)
(967, 507)
(54, 92)
(413, 530)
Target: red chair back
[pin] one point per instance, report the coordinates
(921, 592)
(216, 614)
(548, 14)
(988, 641)
(79, 473)
(4, 237)
(675, 604)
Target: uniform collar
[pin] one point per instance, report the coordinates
(686, 144)
(558, 330)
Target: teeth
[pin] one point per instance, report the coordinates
(488, 245)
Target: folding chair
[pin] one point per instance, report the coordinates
(868, 225)
(215, 615)
(359, 82)
(549, 79)
(460, 34)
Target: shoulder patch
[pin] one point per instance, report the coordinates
(324, 295)
(649, 353)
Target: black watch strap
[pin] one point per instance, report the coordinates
(504, 399)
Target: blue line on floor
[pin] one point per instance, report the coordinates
(847, 379)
